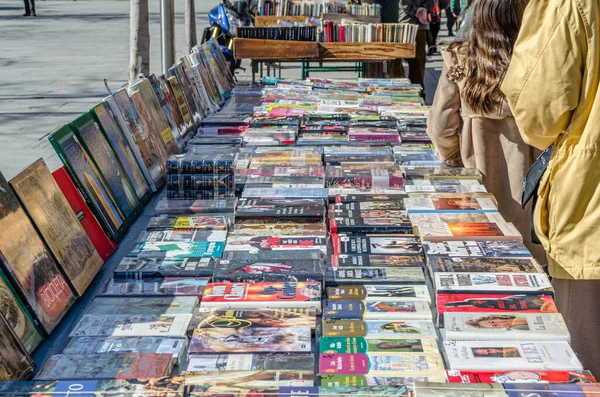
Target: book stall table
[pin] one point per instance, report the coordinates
(271, 51)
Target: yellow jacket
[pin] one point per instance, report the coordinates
(552, 89)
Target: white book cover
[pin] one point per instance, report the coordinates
(461, 226)
(132, 325)
(506, 355)
(371, 292)
(425, 205)
(492, 282)
(420, 188)
(423, 389)
(506, 326)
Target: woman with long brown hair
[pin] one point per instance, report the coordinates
(470, 122)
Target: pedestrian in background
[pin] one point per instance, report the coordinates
(416, 12)
(29, 8)
(435, 22)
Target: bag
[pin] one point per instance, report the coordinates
(532, 183)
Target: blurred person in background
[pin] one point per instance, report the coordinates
(29, 8)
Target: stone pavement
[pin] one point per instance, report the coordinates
(53, 67)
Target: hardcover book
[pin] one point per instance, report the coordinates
(263, 294)
(377, 310)
(106, 366)
(15, 363)
(251, 340)
(498, 355)
(371, 292)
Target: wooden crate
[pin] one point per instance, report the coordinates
(365, 51)
(275, 50)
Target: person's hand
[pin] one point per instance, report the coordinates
(455, 15)
(422, 15)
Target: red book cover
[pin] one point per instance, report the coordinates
(456, 376)
(105, 246)
(343, 34)
(495, 303)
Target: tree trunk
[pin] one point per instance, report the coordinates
(139, 40)
(190, 25)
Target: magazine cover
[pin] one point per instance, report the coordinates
(275, 243)
(374, 275)
(50, 212)
(494, 355)
(440, 264)
(346, 345)
(506, 326)
(254, 318)
(168, 222)
(376, 364)
(377, 310)
(155, 305)
(263, 294)
(116, 344)
(251, 362)
(291, 270)
(454, 390)
(15, 363)
(138, 268)
(470, 248)
(376, 261)
(370, 292)
(511, 376)
(375, 245)
(29, 264)
(169, 286)
(106, 366)
(518, 283)
(238, 383)
(251, 340)
(172, 325)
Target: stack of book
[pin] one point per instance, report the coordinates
(314, 8)
(200, 176)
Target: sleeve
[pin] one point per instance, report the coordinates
(543, 82)
(455, 6)
(444, 120)
(409, 7)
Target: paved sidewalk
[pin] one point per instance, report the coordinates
(53, 67)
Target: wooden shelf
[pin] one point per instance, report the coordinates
(282, 50)
(270, 20)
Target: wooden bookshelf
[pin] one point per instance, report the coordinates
(270, 20)
(283, 50)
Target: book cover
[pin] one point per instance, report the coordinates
(171, 325)
(387, 224)
(275, 243)
(307, 213)
(376, 261)
(377, 310)
(239, 382)
(375, 245)
(106, 366)
(453, 390)
(382, 199)
(179, 249)
(251, 340)
(489, 302)
(517, 283)
(152, 387)
(291, 271)
(374, 275)
(361, 381)
(118, 344)
(254, 318)
(104, 245)
(167, 222)
(138, 268)
(263, 294)
(471, 248)
(278, 255)
(50, 212)
(251, 362)
(155, 305)
(169, 286)
(181, 207)
(377, 364)
(440, 264)
(182, 235)
(353, 344)
(463, 226)
(497, 355)
(440, 205)
(278, 229)
(512, 376)
(506, 326)
(392, 204)
(550, 390)
(15, 363)
(29, 264)
(370, 292)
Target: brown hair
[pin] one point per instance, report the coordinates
(489, 46)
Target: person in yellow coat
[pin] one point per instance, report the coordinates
(552, 87)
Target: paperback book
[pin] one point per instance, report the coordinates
(376, 261)
(239, 382)
(251, 362)
(169, 222)
(442, 264)
(461, 226)
(290, 271)
(243, 229)
(371, 292)
(375, 245)
(477, 249)
(166, 325)
(383, 365)
(251, 340)
(276, 243)
(156, 305)
(357, 223)
(180, 207)
(377, 310)
(487, 302)
(353, 345)
(254, 318)
(169, 286)
(404, 384)
(374, 275)
(517, 283)
(138, 268)
(511, 376)
(441, 205)
(178, 250)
